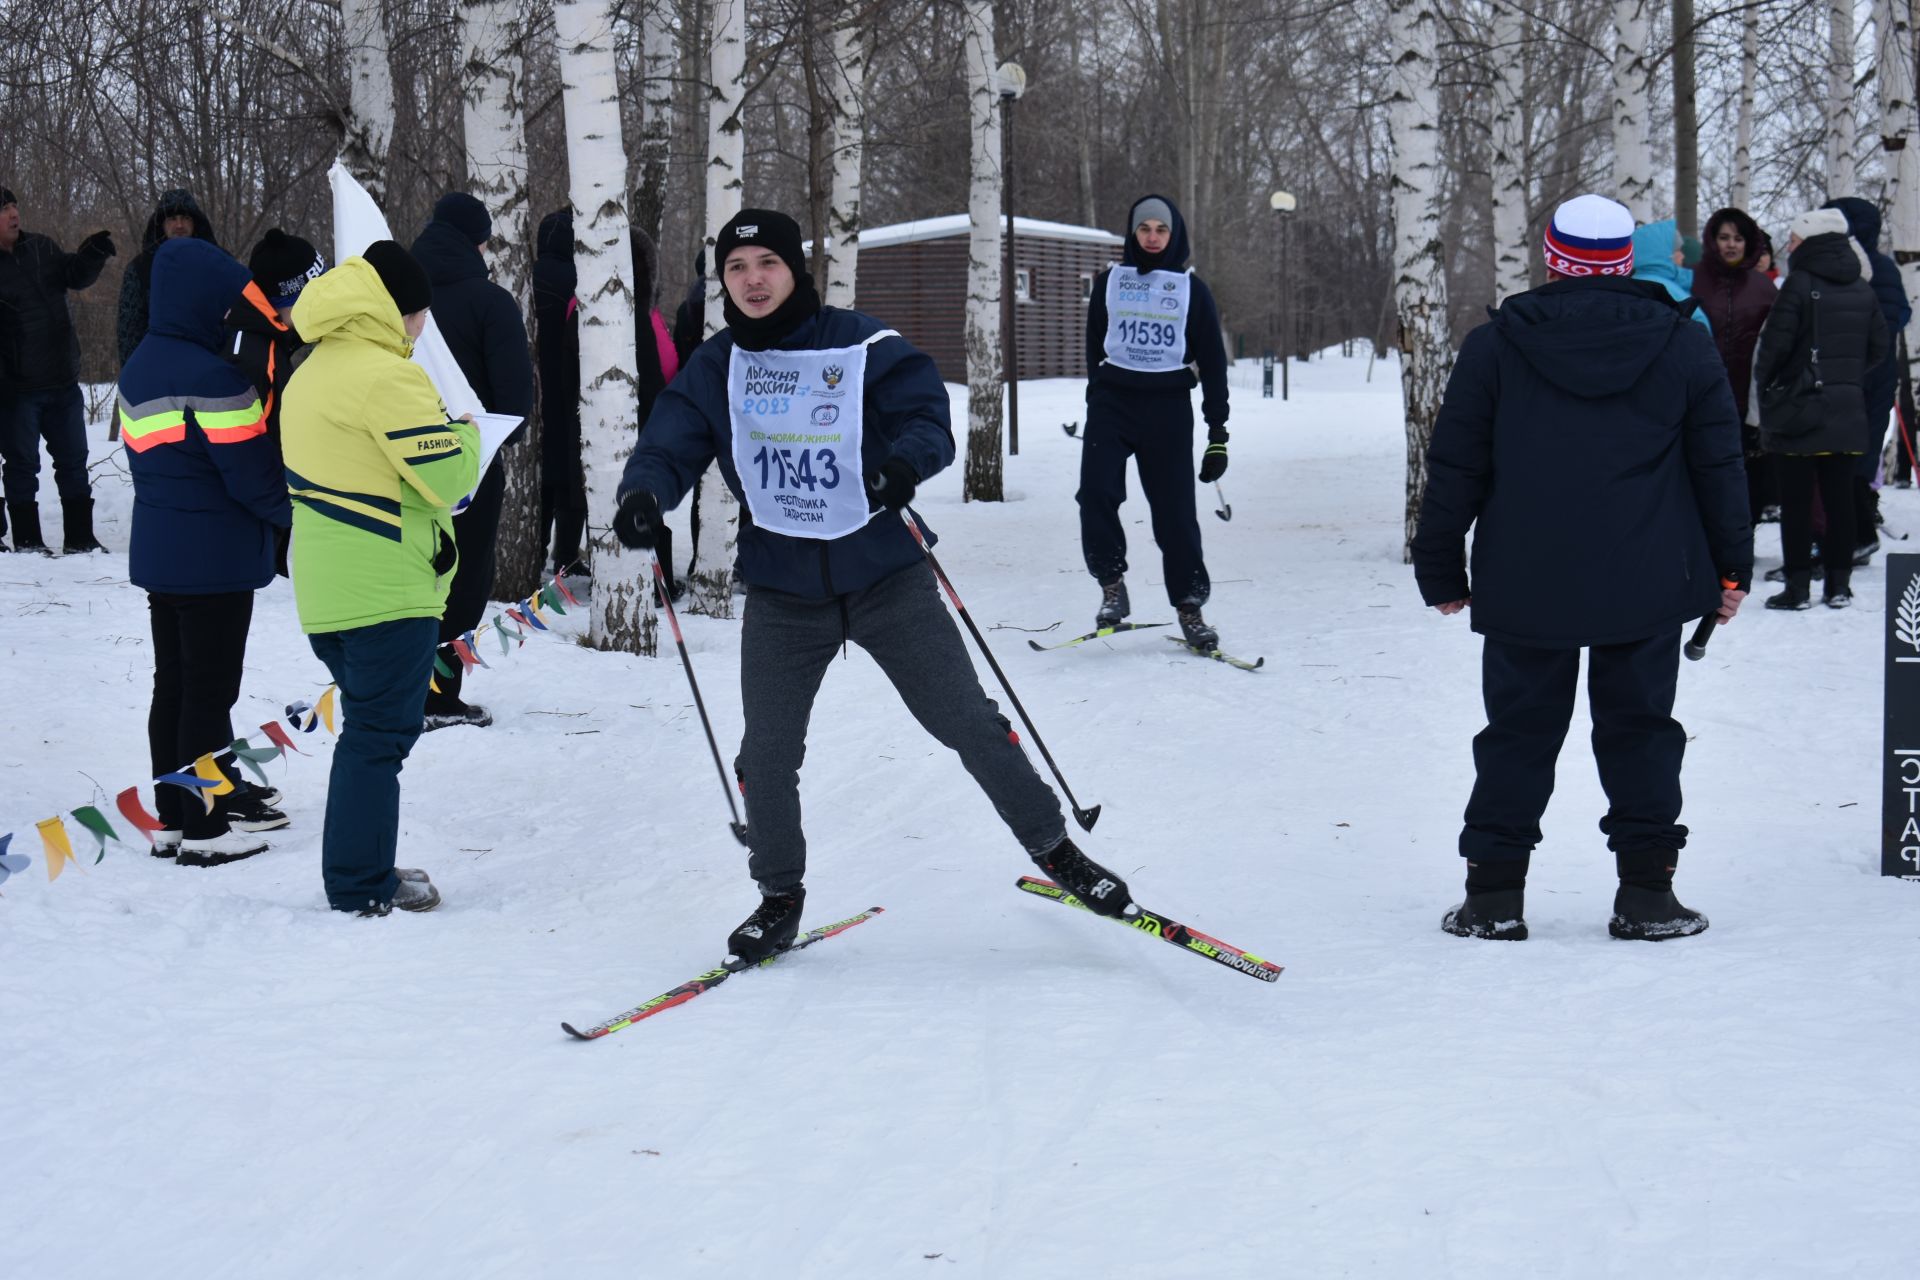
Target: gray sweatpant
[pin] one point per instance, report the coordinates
(786, 643)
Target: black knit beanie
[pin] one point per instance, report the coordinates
(403, 275)
(6, 197)
(466, 215)
(282, 264)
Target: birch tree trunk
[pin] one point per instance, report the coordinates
(1839, 112)
(1743, 125)
(710, 586)
(1420, 277)
(622, 602)
(368, 130)
(494, 118)
(983, 481)
(852, 51)
(1510, 248)
(1686, 122)
(1894, 56)
(1632, 96)
(659, 61)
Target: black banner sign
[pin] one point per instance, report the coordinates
(1900, 763)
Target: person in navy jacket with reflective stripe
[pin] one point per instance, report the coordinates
(835, 421)
(209, 494)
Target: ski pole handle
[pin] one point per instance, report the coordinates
(1697, 647)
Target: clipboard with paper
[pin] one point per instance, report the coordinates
(357, 223)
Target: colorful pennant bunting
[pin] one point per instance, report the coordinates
(325, 708)
(128, 802)
(96, 822)
(11, 864)
(53, 835)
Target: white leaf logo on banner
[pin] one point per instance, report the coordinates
(1906, 623)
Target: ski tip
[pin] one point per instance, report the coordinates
(1036, 646)
(577, 1035)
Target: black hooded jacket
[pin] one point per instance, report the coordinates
(1588, 438)
(136, 284)
(1852, 338)
(39, 350)
(480, 321)
(1863, 223)
(1206, 349)
(556, 330)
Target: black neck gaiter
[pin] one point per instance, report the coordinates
(757, 335)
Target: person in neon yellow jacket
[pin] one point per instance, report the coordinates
(374, 468)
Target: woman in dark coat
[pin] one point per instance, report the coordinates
(1735, 298)
(1815, 437)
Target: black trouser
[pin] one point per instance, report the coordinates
(199, 647)
(1833, 472)
(1637, 744)
(476, 531)
(1155, 428)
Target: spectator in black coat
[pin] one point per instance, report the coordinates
(1588, 437)
(1863, 224)
(177, 216)
(484, 330)
(40, 377)
(556, 332)
(1818, 438)
(690, 317)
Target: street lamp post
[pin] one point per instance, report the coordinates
(1012, 81)
(1283, 203)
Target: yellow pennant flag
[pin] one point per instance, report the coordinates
(53, 835)
(325, 708)
(206, 768)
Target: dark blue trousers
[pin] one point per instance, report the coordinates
(382, 671)
(1637, 744)
(1155, 428)
(59, 418)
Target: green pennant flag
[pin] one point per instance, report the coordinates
(440, 666)
(253, 757)
(500, 630)
(93, 820)
(551, 598)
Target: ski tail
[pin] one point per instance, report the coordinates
(1183, 936)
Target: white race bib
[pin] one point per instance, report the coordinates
(1147, 319)
(797, 425)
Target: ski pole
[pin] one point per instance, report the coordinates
(1225, 511)
(1085, 817)
(673, 621)
(1697, 647)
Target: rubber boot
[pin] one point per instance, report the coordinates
(76, 517)
(26, 527)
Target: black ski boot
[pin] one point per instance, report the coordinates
(1797, 596)
(1100, 890)
(1499, 915)
(1652, 915)
(26, 528)
(76, 519)
(771, 928)
(1195, 630)
(1114, 605)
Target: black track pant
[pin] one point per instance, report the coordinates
(1637, 744)
(476, 531)
(199, 647)
(1155, 428)
(1833, 473)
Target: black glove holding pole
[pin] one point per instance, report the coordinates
(637, 522)
(893, 485)
(1213, 463)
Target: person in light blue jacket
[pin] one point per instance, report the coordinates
(1656, 256)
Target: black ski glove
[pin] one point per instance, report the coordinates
(100, 245)
(893, 484)
(1213, 463)
(637, 523)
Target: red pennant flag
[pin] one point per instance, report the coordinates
(465, 654)
(562, 584)
(279, 736)
(129, 805)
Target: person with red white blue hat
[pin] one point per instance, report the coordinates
(1589, 440)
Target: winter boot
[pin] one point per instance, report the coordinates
(26, 528)
(412, 895)
(1776, 574)
(1099, 890)
(445, 713)
(166, 844)
(1864, 553)
(1652, 915)
(1837, 597)
(1798, 595)
(246, 811)
(269, 796)
(770, 929)
(1199, 636)
(1114, 605)
(214, 851)
(1499, 914)
(76, 517)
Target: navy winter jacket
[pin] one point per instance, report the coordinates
(39, 350)
(208, 487)
(1588, 437)
(480, 321)
(907, 417)
(1863, 223)
(1206, 349)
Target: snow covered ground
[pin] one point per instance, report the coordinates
(207, 1074)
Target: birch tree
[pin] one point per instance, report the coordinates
(1632, 97)
(710, 586)
(1507, 33)
(622, 602)
(1420, 274)
(1894, 70)
(368, 129)
(1839, 107)
(1743, 121)
(984, 470)
(659, 62)
(853, 42)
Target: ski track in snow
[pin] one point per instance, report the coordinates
(209, 1075)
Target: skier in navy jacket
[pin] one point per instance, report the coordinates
(1589, 439)
(824, 423)
(1151, 324)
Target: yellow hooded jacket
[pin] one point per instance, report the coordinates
(373, 464)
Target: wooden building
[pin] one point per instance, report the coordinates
(913, 277)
